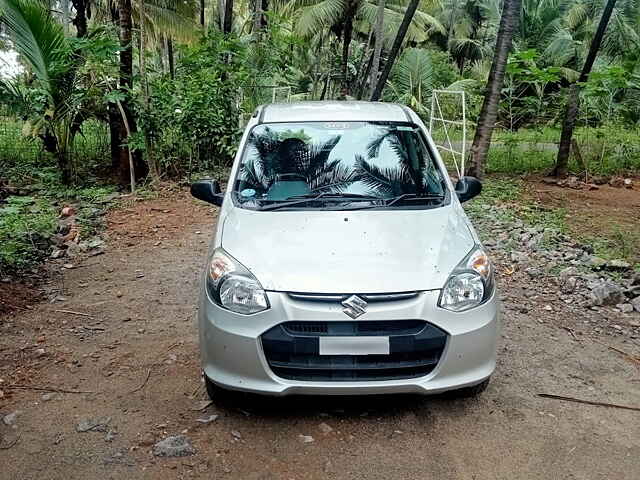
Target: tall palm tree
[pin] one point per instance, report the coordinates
(393, 54)
(379, 40)
(573, 99)
(343, 17)
(489, 112)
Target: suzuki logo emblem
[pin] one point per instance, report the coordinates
(354, 306)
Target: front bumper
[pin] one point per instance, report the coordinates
(233, 356)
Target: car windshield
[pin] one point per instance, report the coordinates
(340, 165)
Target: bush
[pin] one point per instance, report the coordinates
(194, 119)
(26, 224)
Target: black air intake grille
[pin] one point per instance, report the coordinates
(292, 350)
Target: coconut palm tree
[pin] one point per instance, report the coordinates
(489, 112)
(343, 17)
(573, 99)
(39, 39)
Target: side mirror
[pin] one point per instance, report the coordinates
(207, 190)
(467, 188)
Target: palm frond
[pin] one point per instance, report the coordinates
(316, 15)
(314, 157)
(36, 35)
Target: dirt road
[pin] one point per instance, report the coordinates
(137, 353)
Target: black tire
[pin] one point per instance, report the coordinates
(470, 392)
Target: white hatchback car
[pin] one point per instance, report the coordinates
(343, 262)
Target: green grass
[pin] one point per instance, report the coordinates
(26, 223)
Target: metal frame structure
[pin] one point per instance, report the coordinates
(439, 117)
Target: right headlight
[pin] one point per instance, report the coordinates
(233, 287)
(470, 284)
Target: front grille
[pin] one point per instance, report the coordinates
(292, 350)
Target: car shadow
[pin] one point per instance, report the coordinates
(343, 406)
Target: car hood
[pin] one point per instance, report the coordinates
(361, 251)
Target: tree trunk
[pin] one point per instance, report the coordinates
(50, 144)
(151, 160)
(364, 77)
(65, 15)
(395, 49)
(172, 72)
(202, 5)
(80, 20)
(228, 16)
(377, 49)
(573, 99)
(347, 34)
(257, 18)
(489, 112)
(126, 85)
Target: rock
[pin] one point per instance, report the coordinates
(57, 253)
(305, 438)
(324, 428)
(201, 405)
(48, 396)
(533, 272)
(569, 286)
(596, 262)
(636, 304)
(625, 307)
(10, 418)
(617, 264)
(209, 419)
(174, 446)
(635, 279)
(236, 434)
(519, 257)
(110, 436)
(548, 308)
(628, 183)
(93, 424)
(606, 293)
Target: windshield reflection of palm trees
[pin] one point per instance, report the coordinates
(404, 177)
(292, 158)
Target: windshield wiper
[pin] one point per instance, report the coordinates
(300, 199)
(413, 196)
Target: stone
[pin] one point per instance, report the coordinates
(533, 272)
(636, 304)
(305, 438)
(596, 262)
(606, 293)
(324, 428)
(236, 434)
(625, 307)
(618, 264)
(519, 257)
(10, 418)
(48, 396)
(174, 446)
(209, 419)
(93, 424)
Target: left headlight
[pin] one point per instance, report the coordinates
(232, 286)
(470, 284)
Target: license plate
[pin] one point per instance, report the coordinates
(354, 345)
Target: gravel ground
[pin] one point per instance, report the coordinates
(131, 343)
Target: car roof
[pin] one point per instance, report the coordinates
(324, 111)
